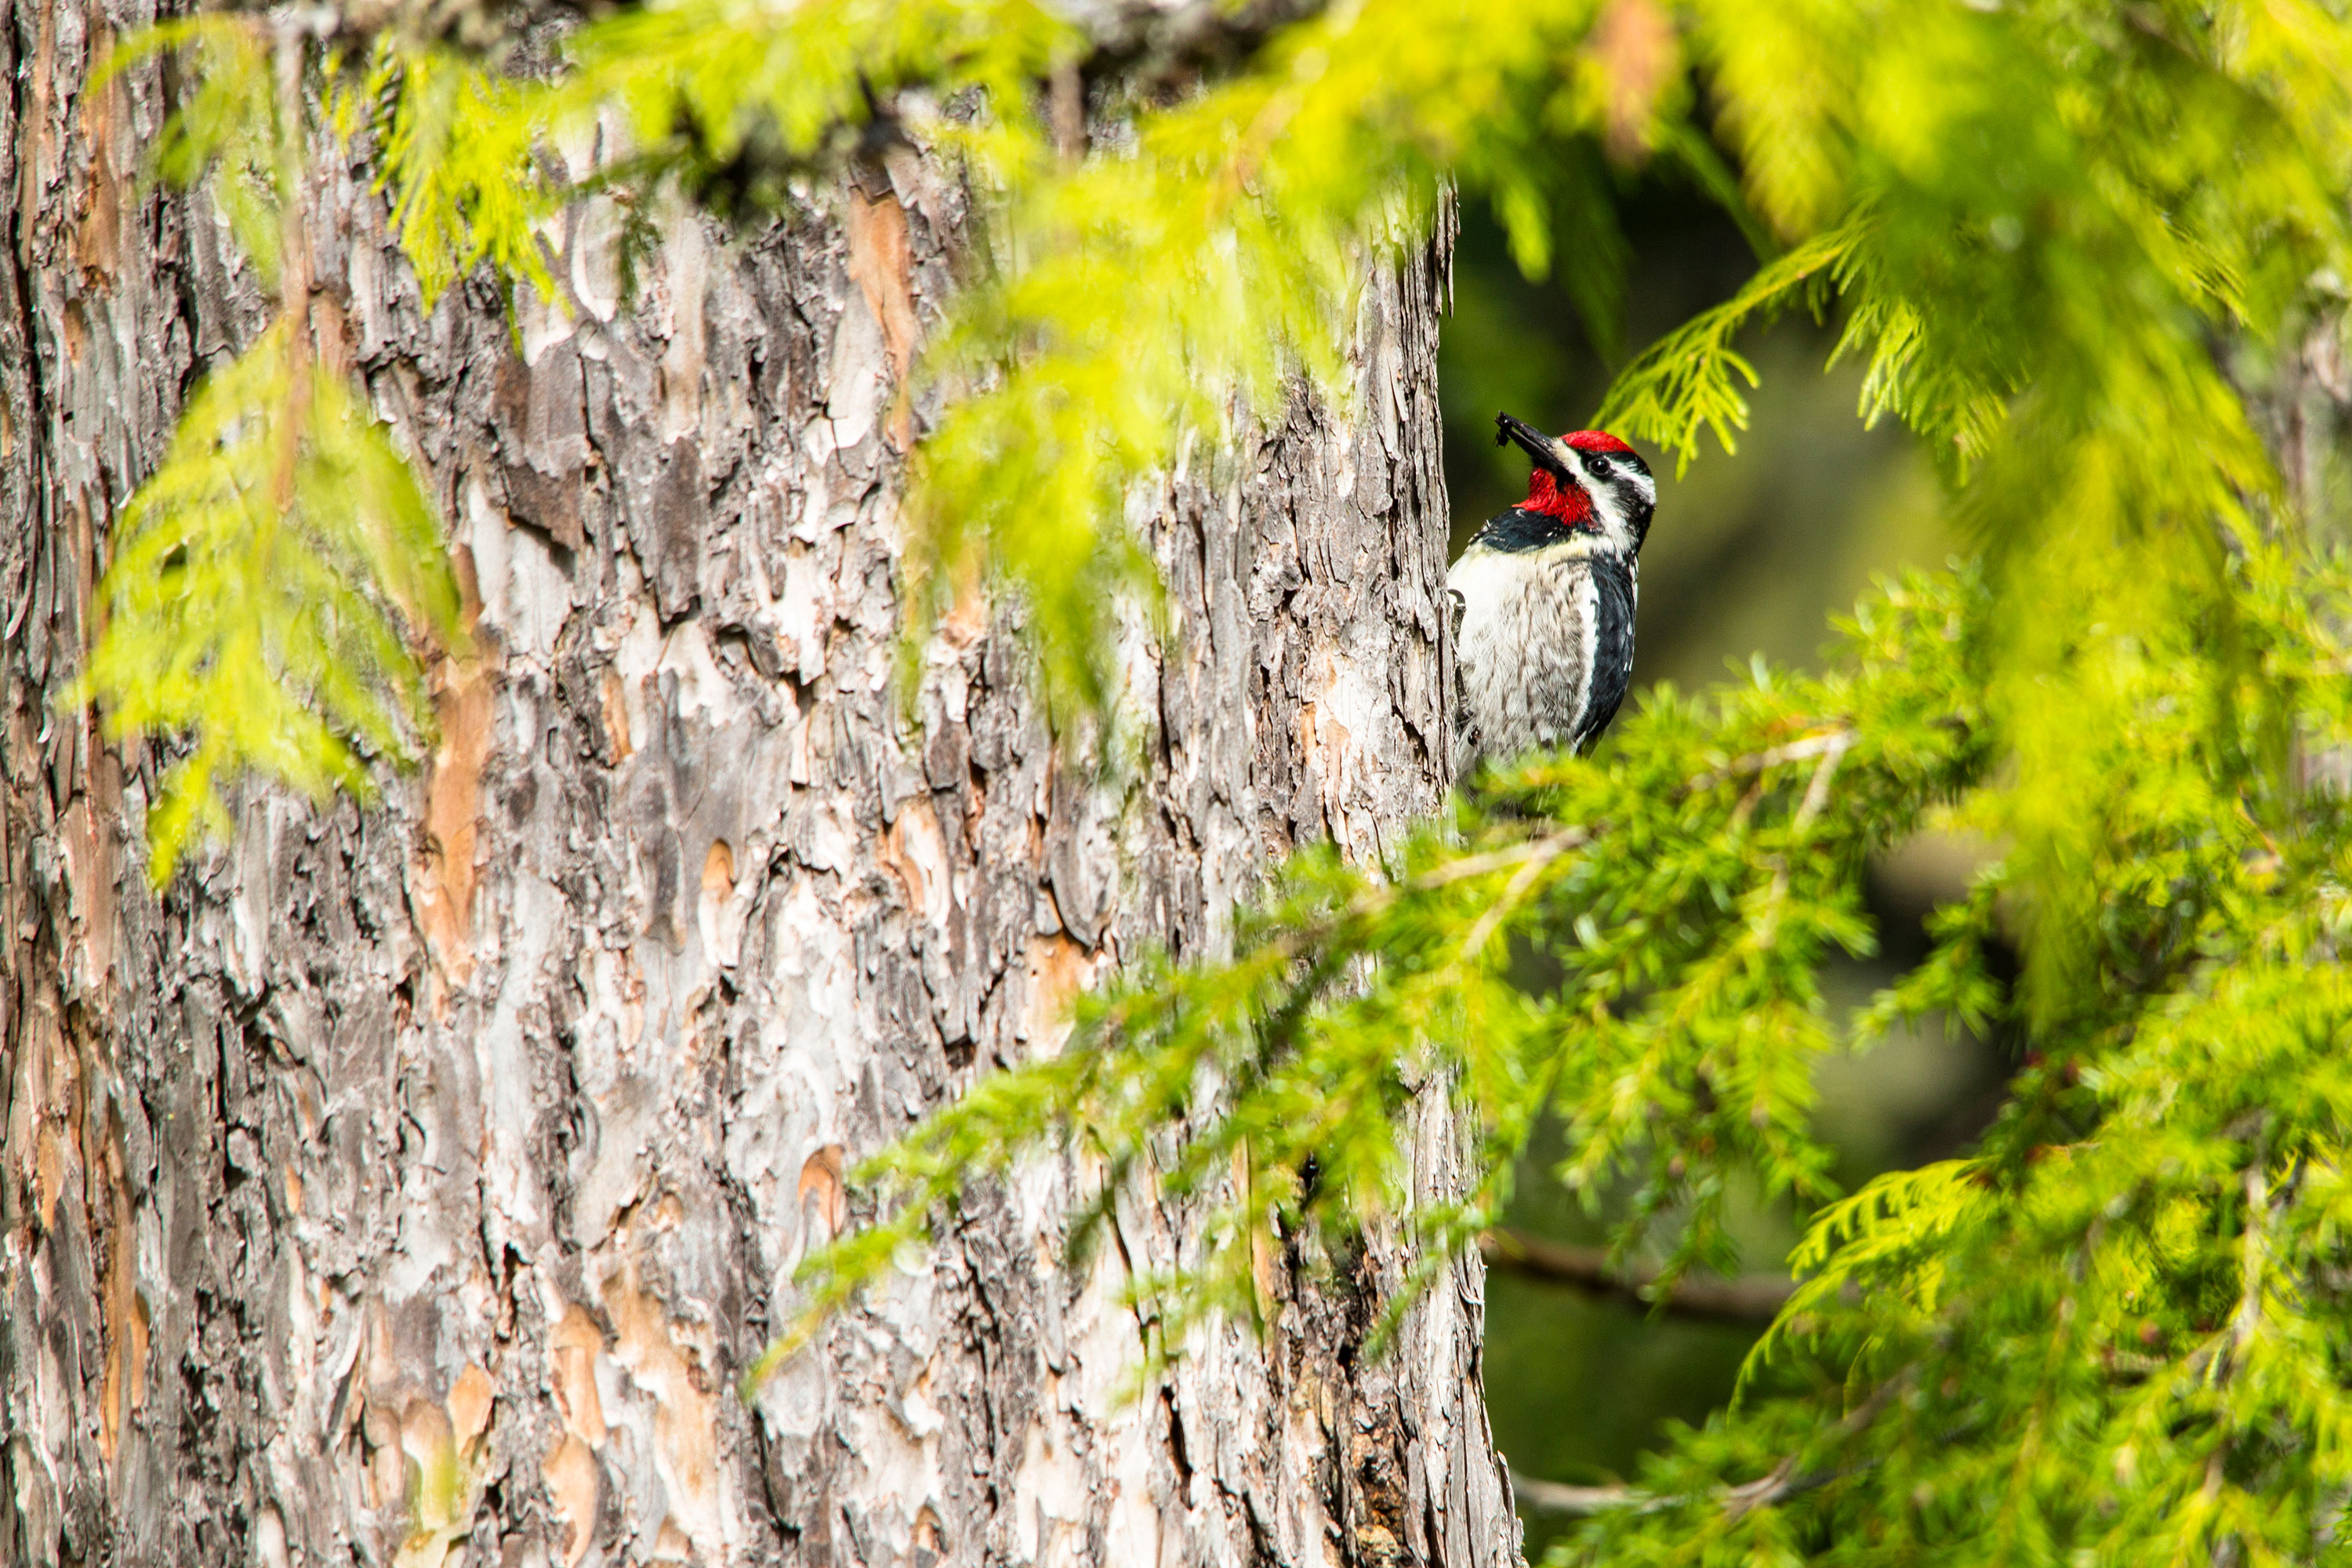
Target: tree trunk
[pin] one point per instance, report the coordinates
(413, 1183)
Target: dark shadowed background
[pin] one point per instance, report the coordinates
(1750, 553)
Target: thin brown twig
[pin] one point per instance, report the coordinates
(2250, 1300)
(1817, 794)
(1813, 745)
(1551, 846)
(1783, 1481)
(1547, 852)
(1753, 1300)
(1378, 897)
(1559, 1496)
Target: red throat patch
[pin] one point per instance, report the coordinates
(1571, 505)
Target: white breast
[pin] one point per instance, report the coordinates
(1524, 651)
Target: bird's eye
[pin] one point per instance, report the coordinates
(1595, 466)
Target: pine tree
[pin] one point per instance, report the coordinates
(412, 1175)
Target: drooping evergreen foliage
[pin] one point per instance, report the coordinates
(2072, 242)
(258, 596)
(264, 576)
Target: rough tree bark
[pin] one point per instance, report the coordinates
(413, 1183)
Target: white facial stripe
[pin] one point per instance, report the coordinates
(1642, 482)
(1615, 526)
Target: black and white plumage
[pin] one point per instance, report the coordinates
(1544, 597)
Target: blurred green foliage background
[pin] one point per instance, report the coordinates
(1752, 552)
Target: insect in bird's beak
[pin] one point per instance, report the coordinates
(1538, 445)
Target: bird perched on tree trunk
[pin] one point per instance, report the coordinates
(1544, 597)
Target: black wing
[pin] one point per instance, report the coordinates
(1518, 529)
(1613, 645)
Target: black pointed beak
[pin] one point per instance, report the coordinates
(1540, 447)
